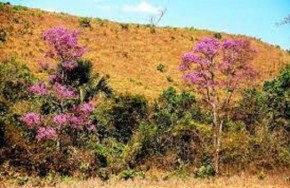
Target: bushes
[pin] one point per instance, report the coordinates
(124, 26)
(126, 115)
(217, 35)
(3, 35)
(161, 68)
(278, 96)
(85, 22)
(15, 78)
(172, 107)
(251, 109)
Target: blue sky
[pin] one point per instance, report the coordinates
(250, 17)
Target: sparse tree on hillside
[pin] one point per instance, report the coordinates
(286, 20)
(154, 20)
(218, 69)
(67, 98)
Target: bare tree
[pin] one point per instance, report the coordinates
(154, 20)
(286, 20)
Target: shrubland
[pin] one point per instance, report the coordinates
(62, 119)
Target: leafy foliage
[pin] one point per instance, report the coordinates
(85, 22)
(252, 109)
(217, 35)
(14, 77)
(278, 95)
(126, 115)
(3, 35)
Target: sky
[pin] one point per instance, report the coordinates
(255, 18)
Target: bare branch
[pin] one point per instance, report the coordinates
(286, 20)
(154, 20)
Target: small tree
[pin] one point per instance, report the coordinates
(218, 69)
(67, 98)
(286, 20)
(154, 20)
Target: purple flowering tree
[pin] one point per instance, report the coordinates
(63, 110)
(218, 69)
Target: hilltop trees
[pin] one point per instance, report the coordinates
(218, 69)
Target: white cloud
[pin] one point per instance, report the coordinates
(142, 7)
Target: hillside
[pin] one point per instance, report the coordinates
(128, 53)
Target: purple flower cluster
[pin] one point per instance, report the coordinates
(31, 119)
(62, 92)
(91, 128)
(38, 89)
(86, 108)
(193, 77)
(234, 44)
(218, 63)
(77, 122)
(208, 46)
(64, 44)
(71, 120)
(54, 78)
(61, 119)
(68, 65)
(44, 133)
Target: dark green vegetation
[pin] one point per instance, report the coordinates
(133, 136)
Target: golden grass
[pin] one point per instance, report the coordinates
(129, 57)
(242, 181)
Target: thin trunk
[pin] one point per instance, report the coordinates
(216, 140)
(218, 146)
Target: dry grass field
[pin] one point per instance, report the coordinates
(128, 53)
(241, 181)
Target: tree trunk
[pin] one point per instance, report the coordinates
(216, 140)
(217, 129)
(218, 146)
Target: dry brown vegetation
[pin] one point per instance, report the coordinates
(237, 181)
(129, 54)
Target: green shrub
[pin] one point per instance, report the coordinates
(261, 175)
(205, 171)
(160, 68)
(3, 35)
(171, 107)
(217, 35)
(127, 112)
(278, 97)
(15, 78)
(127, 174)
(152, 30)
(124, 26)
(18, 8)
(251, 109)
(169, 79)
(85, 22)
(2, 6)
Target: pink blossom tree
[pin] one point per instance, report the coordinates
(67, 111)
(218, 69)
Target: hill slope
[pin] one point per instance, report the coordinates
(129, 54)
